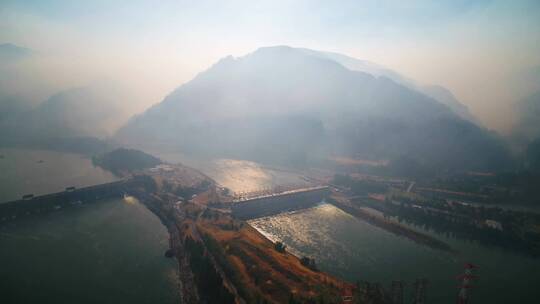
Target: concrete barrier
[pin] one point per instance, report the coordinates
(54, 201)
(274, 204)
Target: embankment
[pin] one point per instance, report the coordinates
(50, 202)
(392, 227)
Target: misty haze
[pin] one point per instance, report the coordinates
(270, 152)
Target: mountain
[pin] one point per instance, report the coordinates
(436, 92)
(11, 102)
(526, 129)
(527, 126)
(123, 160)
(12, 105)
(533, 156)
(446, 97)
(11, 53)
(286, 105)
(363, 66)
(83, 113)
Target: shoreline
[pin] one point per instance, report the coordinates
(394, 228)
(186, 289)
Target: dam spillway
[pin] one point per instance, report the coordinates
(277, 203)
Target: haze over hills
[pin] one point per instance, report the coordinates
(224, 152)
(445, 96)
(439, 93)
(11, 102)
(527, 127)
(278, 104)
(282, 104)
(85, 111)
(74, 119)
(10, 53)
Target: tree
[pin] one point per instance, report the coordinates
(280, 247)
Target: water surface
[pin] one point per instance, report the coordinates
(355, 250)
(238, 175)
(24, 171)
(110, 251)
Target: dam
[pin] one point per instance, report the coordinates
(281, 202)
(30, 204)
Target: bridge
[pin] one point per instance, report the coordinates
(273, 203)
(71, 196)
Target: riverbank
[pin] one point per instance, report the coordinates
(187, 290)
(112, 247)
(222, 259)
(244, 260)
(344, 204)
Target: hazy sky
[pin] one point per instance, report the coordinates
(481, 50)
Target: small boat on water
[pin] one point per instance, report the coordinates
(40, 161)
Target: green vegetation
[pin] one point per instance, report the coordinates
(516, 231)
(359, 186)
(122, 160)
(209, 282)
(309, 263)
(280, 247)
(533, 156)
(221, 258)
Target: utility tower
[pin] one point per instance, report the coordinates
(466, 279)
(397, 292)
(420, 291)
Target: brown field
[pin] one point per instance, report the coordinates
(264, 271)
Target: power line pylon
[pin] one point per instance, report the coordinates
(466, 279)
(420, 291)
(397, 292)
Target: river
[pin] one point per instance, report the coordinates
(110, 251)
(39, 172)
(355, 250)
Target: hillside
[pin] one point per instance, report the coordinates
(527, 127)
(436, 92)
(78, 119)
(283, 105)
(124, 160)
(11, 101)
(10, 53)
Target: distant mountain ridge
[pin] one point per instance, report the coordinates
(11, 52)
(11, 102)
(527, 126)
(77, 120)
(282, 104)
(439, 93)
(89, 111)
